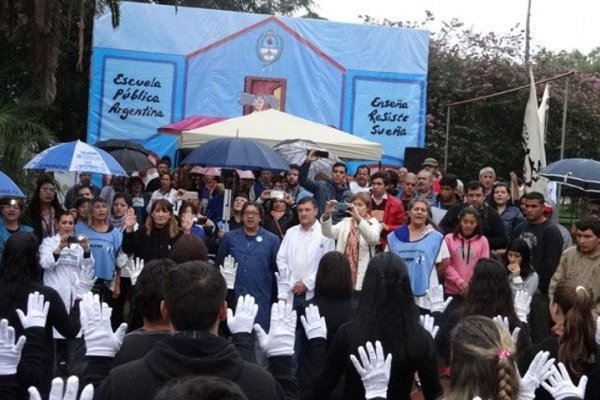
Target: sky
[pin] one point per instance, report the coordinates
(556, 25)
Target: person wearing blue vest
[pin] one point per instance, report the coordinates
(422, 248)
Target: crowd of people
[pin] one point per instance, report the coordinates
(166, 285)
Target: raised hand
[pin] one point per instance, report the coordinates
(314, 325)
(229, 271)
(560, 385)
(374, 371)
(502, 323)
(72, 388)
(282, 335)
(435, 295)
(37, 311)
(539, 370)
(10, 352)
(84, 280)
(428, 323)
(522, 303)
(100, 340)
(284, 283)
(135, 269)
(245, 314)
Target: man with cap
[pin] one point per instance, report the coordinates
(432, 165)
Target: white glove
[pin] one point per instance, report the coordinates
(435, 295)
(539, 370)
(560, 385)
(522, 302)
(284, 283)
(84, 280)
(374, 371)
(428, 323)
(245, 313)
(598, 331)
(135, 269)
(229, 270)
(10, 352)
(56, 393)
(502, 323)
(314, 325)
(282, 335)
(95, 322)
(37, 311)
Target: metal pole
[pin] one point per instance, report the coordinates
(563, 133)
(447, 140)
(527, 32)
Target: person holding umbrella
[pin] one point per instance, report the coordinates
(11, 220)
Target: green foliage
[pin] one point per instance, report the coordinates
(464, 64)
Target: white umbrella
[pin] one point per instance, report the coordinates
(294, 151)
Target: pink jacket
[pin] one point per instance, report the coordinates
(464, 254)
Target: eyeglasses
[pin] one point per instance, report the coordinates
(251, 214)
(46, 189)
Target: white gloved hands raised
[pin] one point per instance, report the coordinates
(37, 311)
(84, 280)
(522, 305)
(435, 295)
(135, 269)
(539, 370)
(229, 270)
(428, 322)
(10, 352)
(245, 314)
(71, 392)
(284, 284)
(598, 331)
(314, 325)
(560, 385)
(375, 369)
(502, 323)
(282, 334)
(100, 340)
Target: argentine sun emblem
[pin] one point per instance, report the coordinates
(268, 48)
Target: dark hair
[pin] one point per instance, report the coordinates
(534, 196)
(294, 166)
(308, 199)
(33, 213)
(123, 196)
(387, 310)
(334, 279)
(483, 362)
(62, 213)
(253, 204)
(188, 204)
(363, 166)
(79, 202)
(241, 194)
(520, 246)
(188, 247)
(449, 180)
(81, 186)
(392, 177)
(474, 185)
(589, 223)
(194, 294)
(20, 262)
(492, 201)
(340, 164)
(198, 387)
(469, 210)
(381, 175)
(148, 293)
(490, 293)
(576, 346)
(133, 180)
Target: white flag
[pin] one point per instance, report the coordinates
(543, 111)
(535, 154)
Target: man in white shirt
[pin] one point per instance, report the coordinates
(301, 250)
(361, 179)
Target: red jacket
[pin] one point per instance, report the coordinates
(393, 217)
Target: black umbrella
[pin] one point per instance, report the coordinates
(581, 173)
(132, 156)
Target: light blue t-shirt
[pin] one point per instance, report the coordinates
(104, 246)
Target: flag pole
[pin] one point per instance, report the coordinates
(563, 131)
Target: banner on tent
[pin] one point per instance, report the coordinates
(160, 66)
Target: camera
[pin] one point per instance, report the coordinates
(75, 239)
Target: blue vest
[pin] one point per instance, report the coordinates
(419, 257)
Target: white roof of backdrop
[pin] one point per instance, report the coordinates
(271, 127)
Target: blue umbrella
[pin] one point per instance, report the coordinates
(236, 153)
(8, 188)
(76, 156)
(581, 173)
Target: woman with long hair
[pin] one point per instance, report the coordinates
(43, 208)
(157, 236)
(164, 192)
(356, 236)
(422, 248)
(518, 263)
(386, 312)
(501, 201)
(20, 275)
(572, 341)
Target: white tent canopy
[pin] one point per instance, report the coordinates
(271, 127)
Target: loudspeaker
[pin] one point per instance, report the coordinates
(413, 158)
